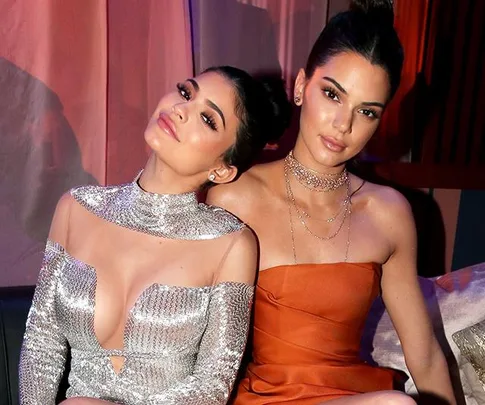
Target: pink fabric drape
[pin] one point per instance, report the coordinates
(149, 52)
(78, 80)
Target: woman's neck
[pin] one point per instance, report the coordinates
(158, 178)
(313, 198)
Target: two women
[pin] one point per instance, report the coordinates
(152, 290)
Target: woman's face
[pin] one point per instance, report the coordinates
(194, 125)
(341, 107)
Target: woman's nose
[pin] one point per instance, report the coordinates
(179, 113)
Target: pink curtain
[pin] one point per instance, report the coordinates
(149, 52)
(78, 80)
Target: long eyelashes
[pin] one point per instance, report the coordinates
(369, 113)
(332, 94)
(184, 91)
(209, 121)
(207, 118)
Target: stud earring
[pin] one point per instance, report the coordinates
(297, 100)
(212, 177)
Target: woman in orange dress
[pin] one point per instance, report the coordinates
(331, 242)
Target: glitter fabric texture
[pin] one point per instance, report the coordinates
(471, 342)
(182, 345)
(174, 216)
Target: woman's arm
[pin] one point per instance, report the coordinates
(43, 354)
(224, 340)
(405, 303)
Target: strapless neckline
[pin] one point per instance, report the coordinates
(308, 322)
(371, 265)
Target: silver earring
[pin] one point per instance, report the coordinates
(297, 100)
(212, 177)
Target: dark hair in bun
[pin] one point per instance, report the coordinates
(380, 10)
(367, 29)
(264, 112)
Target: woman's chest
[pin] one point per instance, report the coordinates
(161, 317)
(286, 236)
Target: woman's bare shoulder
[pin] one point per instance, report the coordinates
(249, 189)
(382, 202)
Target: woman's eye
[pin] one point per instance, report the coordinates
(370, 113)
(184, 91)
(332, 95)
(209, 121)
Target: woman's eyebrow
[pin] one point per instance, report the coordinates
(195, 84)
(336, 84)
(208, 102)
(366, 103)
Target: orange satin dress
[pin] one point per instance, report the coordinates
(308, 323)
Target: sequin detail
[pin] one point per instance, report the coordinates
(172, 216)
(471, 342)
(44, 348)
(182, 345)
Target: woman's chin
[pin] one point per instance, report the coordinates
(152, 140)
(329, 159)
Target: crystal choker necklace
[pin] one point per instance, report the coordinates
(312, 179)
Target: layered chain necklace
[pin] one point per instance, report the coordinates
(317, 182)
(314, 180)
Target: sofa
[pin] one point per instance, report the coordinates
(14, 307)
(456, 302)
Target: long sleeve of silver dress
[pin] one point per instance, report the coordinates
(182, 345)
(43, 354)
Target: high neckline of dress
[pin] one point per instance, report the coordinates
(171, 216)
(161, 203)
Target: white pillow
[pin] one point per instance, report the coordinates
(455, 301)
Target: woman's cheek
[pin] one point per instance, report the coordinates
(200, 140)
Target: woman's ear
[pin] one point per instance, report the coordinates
(223, 174)
(299, 87)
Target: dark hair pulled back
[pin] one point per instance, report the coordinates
(263, 109)
(367, 29)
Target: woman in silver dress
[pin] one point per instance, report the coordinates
(151, 290)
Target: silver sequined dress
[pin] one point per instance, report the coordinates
(182, 345)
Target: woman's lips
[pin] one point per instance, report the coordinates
(333, 144)
(166, 124)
